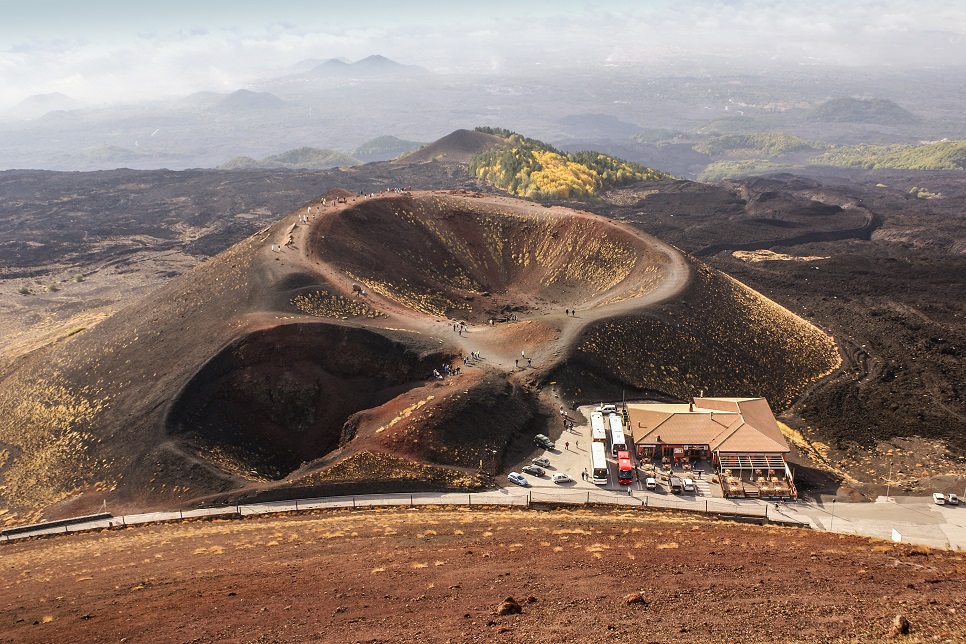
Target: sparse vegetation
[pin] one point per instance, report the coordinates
(716, 343)
(386, 467)
(943, 155)
(732, 169)
(300, 158)
(329, 305)
(24, 290)
(762, 145)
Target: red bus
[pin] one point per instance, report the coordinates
(625, 470)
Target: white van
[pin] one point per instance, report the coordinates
(650, 483)
(938, 498)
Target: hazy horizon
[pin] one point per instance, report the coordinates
(118, 52)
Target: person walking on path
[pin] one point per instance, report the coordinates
(529, 362)
(576, 443)
(567, 445)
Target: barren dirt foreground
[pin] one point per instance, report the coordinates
(440, 575)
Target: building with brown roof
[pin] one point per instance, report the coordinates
(740, 436)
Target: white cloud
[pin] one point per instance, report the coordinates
(116, 50)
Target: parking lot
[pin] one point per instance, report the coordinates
(572, 456)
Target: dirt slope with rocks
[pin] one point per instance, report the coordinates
(435, 575)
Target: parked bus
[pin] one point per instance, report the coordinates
(617, 442)
(625, 471)
(598, 464)
(597, 431)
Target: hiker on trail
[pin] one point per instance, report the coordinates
(576, 443)
(523, 354)
(566, 311)
(567, 445)
(516, 363)
(529, 362)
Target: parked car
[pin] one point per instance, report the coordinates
(542, 461)
(688, 485)
(560, 477)
(952, 499)
(674, 485)
(536, 470)
(543, 441)
(608, 409)
(519, 479)
(650, 483)
(938, 498)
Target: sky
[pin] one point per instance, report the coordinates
(100, 52)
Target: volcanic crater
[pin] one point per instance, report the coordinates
(305, 355)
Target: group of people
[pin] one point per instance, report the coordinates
(446, 370)
(288, 244)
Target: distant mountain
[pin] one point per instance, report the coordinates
(369, 67)
(304, 158)
(530, 168)
(39, 104)
(879, 111)
(383, 148)
(245, 100)
(456, 147)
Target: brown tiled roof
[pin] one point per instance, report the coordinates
(738, 425)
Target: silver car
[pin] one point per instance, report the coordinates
(516, 477)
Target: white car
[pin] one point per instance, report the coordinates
(541, 461)
(952, 499)
(519, 479)
(560, 477)
(650, 483)
(688, 485)
(938, 498)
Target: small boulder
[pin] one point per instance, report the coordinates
(509, 607)
(634, 598)
(900, 626)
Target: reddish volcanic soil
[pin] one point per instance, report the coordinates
(439, 575)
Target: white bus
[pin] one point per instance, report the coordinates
(597, 431)
(598, 464)
(617, 441)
